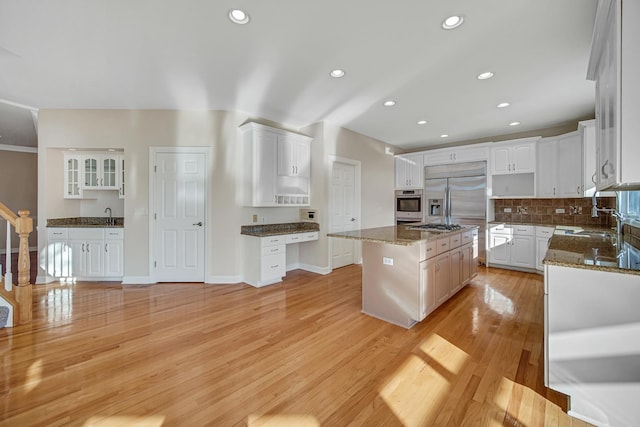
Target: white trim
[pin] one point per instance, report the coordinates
(137, 280)
(15, 104)
(314, 269)
(357, 249)
(42, 279)
(18, 148)
(223, 280)
(208, 167)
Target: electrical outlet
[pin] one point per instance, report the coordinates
(255, 218)
(507, 210)
(560, 210)
(387, 261)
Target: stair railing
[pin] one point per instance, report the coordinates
(23, 226)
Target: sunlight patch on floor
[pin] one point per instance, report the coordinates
(282, 420)
(416, 390)
(34, 375)
(125, 420)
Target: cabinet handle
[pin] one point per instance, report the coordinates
(578, 190)
(606, 175)
(105, 247)
(554, 191)
(593, 177)
(87, 248)
(83, 247)
(274, 266)
(509, 166)
(514, 167)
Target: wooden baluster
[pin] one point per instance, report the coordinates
(24, 226)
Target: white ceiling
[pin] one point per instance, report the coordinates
(151, 54)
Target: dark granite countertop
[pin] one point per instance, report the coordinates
(86, 222)
(595, 249)
(397, 235)
(264, 230)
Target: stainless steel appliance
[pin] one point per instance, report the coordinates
(409, 206)
(457, 194)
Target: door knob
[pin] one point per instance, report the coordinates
(199, 224)
(353, 219)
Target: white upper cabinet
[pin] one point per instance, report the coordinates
(72, 176)
(518, 156)
(100, 171)
(277, 166)
(614, 64)
(472, 153)
(294, 156)
(409, 171)
(559, 163)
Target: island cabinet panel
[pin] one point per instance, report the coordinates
(402, 284)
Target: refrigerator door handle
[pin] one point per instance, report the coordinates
(447, 205)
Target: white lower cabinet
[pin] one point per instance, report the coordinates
(265, 258)
(86, 253)
(512, 245)
(442, 277)
(543, 234)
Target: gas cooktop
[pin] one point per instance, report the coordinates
(443, 228)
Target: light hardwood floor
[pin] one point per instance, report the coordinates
(295, 353)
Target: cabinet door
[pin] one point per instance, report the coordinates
(401, 165)
(294, 157)
(77, 258)
(264, 185)
(303, 159)
(121, 173)
(90, 171)
(501, 160)
(523, 158)
(442, 278)
(455, 275)
(522, 251)
(273, 267)
(466, 261)
(428, 285)
(72, 177)
(499, 245)
(438, 157)
(113, 258)
(109, 172)
(415, 171)
(546, 174)
(94, 256)
(569, 166)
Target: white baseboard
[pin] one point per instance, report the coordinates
(137, 280)
(43, 280)
(310, 268)
(223, 280)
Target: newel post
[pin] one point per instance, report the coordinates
(24, 226)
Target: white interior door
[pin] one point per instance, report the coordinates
(179, 211)
(343, 215)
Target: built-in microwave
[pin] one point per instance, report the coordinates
(409, 205)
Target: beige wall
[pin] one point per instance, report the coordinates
(18, 189)
(136, 131)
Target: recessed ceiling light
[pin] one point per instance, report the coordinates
(452, 22)
(422, 122)
(389, 103)
(514, 123)
(238, 16)
(484, 76)
(503, 105)
(337, 73)
(444, 135)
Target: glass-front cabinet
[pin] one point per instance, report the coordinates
(72, 177)
(93, 171)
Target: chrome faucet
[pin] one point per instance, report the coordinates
(111, 222)
(617, 215)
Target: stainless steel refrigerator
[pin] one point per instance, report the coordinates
(457, 194)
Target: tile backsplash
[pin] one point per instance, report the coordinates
(545, 211)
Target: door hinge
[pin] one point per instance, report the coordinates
(155, 216)
(155, 168)
(155, 264)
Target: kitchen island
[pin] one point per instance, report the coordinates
(407, 274)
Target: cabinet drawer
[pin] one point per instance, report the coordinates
(310, 236)
(54, 234)
(272, 240)
(443, 245)
(467, 237)
(431, 249)
(273, 250)
(273, 266)
(455, 241)
(523, 230)
(114, 233)
(86, 233)
(500, 229)
(544, 231)
(294, 238)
